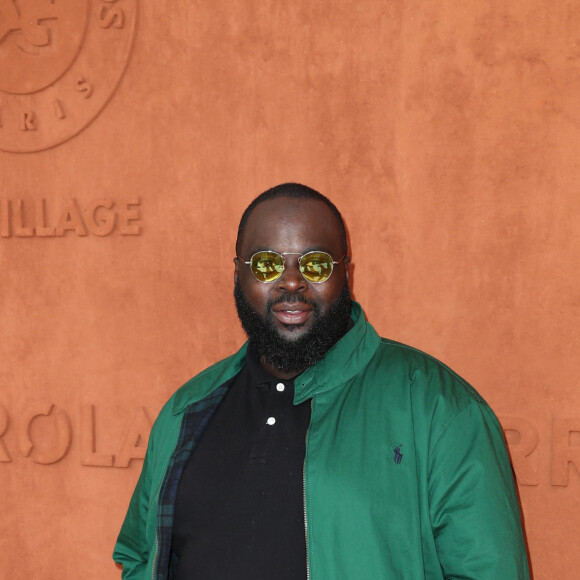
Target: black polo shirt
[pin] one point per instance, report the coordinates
(239, 512)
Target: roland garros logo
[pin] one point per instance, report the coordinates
(60, 62)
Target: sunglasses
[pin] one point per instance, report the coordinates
(267, 265)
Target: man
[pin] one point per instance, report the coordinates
(320, 450)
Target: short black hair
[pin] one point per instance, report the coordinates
(290, 190)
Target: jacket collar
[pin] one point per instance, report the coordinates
(342, 362)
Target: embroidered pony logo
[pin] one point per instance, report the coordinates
(398, 455)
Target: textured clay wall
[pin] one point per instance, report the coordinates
(132, 135)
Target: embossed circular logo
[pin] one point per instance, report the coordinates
(60, 62)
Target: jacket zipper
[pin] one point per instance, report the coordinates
(155, 556)
(306, 528)
(304, 499)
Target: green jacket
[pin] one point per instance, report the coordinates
(406, 474)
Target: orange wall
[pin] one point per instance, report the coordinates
(133, 136)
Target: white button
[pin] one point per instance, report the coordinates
(271, 420)
(280, 387)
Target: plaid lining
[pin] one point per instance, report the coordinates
(195, 420)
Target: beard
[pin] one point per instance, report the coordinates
(293, 355)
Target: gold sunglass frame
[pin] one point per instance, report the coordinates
(282, 254)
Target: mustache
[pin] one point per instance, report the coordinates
(290, 298)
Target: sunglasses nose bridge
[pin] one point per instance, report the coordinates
(291, 274)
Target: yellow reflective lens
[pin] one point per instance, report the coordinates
(267, 266)
(316, 266)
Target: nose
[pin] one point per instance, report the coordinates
(291, 279)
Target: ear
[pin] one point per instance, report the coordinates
(347, 269)
(236, 270)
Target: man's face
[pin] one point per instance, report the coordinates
(291, 313)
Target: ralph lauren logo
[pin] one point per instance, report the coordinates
(398, 455)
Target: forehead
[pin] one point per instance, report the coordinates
(292, 225)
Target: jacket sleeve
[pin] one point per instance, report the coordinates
(473, 504)
(132, 548)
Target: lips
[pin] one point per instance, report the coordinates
(292, 312)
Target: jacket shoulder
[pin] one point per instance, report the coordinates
(204, 383)
(425, 371)
(425, 388)
(200, 386)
